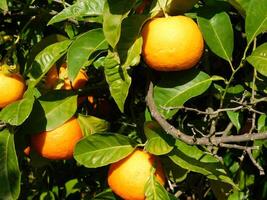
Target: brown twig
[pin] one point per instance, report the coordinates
(212, 141)
(261, 170)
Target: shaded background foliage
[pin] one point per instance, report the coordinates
(224, 95)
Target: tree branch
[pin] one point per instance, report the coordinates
(211, 141)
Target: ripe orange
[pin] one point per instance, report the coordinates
(12, 88)
(172, 43)
(58, 144)
(59, 79)
(127, 177)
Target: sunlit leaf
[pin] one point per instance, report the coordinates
(154, 190)
(256, 20)
(173, 90)
(118, 79)
(158, 142)
(114, 12)
(218, 34)
(9, 168)
(17, 112)
(193, 159)
(82, 48)
(3, 5)
(80, 9)
(45, 59)
(98, 150)
(91, 124)
(258, 59)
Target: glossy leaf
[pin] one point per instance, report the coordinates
(9, 168)
(80, 9)
(177, 88)
(218, 34)
(105, 195)
(51, 110)
(235, 118)
(45, 59)
(193, 159)
(258, 59)
(82, 48)
(154, 190)
(159, 142)
(130, 44)
(256, 20)
(91, 124)
(17, 112)
(98, 150)
(118, 79)
(114, 12)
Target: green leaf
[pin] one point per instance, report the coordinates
(154, 190)
(45, 59)
(258, 59)
(17, 112)
(91, 124)
(72, 186)
(235, 118)
(159, 142)
(47, 196)
(98, 150)
(114, 12)
(130, 44)
(193, 159)
(51, 111)
(9, 168)
(174, 89)
(218, 34)
(3, 5)
(82, 48)
(118, 79)
(105, 195)
(256, 20)
(80, 9)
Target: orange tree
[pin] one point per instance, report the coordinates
(172, 104)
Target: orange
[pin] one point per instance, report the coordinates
(172, 43)
(12, 88)
(59, 79)
(127, 177)
(58, 144)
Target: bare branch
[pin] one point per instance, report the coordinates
(255, 162)
(212, 141)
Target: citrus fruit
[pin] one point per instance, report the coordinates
(175, 7)
(58, 144)
(12, 87)
(59, 79)
(127, 177)
(172, 43)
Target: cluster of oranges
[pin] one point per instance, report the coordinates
(172, 43)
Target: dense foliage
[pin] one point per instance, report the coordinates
(207, 124)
